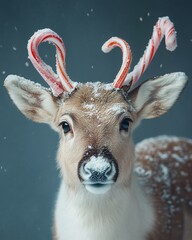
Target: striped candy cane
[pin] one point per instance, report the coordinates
(127, 57)
(164, 27)
(46, 71)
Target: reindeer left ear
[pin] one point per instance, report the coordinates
(155, 97)
(34, 101)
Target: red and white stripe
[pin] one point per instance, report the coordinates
(59, 82)
(127, 57)
(164, 27)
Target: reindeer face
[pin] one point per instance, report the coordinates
(95, 127)
(96, 121)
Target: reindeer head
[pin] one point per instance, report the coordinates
(95, 121)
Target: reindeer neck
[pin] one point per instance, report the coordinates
(118, 212)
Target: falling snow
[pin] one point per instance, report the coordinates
(14, 48)
(3, 169)
(89, 13)
(141, 19)
(26, 64)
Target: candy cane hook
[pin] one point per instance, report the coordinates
(127, 57)
(59, 82)
(163, 27)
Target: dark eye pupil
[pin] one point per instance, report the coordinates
(124, 126)
(66, 127)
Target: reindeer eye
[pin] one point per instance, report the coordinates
(124, 125)
(66, 127)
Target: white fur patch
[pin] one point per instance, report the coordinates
(121, 213)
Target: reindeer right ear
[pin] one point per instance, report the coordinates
(35, 102)
(155, 97)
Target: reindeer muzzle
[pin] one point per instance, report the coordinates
(98, 170)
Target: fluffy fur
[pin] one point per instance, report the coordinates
(117, 214)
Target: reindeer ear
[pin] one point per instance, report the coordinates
(155, 97)
(34, 101)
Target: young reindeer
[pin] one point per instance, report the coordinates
(111, 190)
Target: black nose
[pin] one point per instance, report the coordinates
(98, 167)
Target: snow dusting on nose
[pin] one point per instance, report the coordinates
(98, 164)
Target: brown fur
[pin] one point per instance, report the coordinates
(92, 127)
(171, 188)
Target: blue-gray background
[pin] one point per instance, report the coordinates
(28, 176)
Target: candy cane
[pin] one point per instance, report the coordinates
(164, 27)
(127, 57)
(46, 71)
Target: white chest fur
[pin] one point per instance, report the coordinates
(124, 214)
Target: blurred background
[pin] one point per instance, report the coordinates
(29, 179)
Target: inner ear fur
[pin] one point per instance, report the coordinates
(155, 97)
(34, 101)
